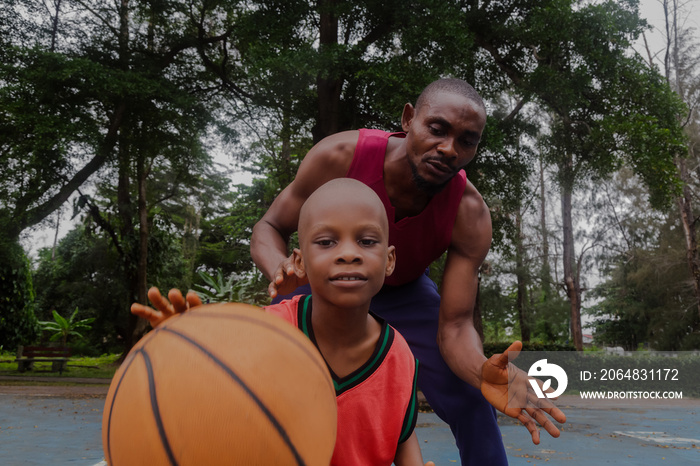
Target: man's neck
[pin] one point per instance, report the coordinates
(406, 197)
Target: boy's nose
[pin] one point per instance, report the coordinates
(349, 253)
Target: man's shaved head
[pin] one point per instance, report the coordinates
(452, 85)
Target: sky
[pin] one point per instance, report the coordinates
(651, 10)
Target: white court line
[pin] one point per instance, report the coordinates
(660, 437)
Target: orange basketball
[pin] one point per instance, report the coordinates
(221, 384)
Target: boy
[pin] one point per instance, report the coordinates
(345, 255)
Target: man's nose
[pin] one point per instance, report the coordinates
(447, 148)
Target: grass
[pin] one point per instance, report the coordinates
(102, 367)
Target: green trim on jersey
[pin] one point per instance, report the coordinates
(353, 379)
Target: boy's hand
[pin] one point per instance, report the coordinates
(164, 309)
(495, 378)
(285, 280)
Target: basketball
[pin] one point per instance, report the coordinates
(221, 384)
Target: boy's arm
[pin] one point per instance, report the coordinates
(408, 453)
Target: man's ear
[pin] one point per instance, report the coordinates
(407, 117)
(298, 263)
(391, 260)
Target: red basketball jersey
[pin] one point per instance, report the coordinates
(377, 407)
(418, 240)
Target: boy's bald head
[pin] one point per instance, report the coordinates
(342, 194)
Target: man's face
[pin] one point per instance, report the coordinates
(443, 135)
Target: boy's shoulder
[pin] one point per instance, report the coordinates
(286, 309)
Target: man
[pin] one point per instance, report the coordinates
(431, 207)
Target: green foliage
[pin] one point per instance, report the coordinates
(250, 289)
(648, 299)
(64, 328)
(18, 324)
(498, 347)
(87, 273)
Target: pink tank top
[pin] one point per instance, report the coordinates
(418, 240)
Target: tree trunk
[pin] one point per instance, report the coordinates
(328, 86)
(54, 24)
(520, 273)
(571, 278)
(672, 61)
(142, 268)
(545, 271)
(685, 208)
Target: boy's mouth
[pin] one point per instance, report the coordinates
(347, 278)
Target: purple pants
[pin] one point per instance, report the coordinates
(413, 310)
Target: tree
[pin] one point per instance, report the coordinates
(64, 328)
(606, 107)
(18, 324)
(681, 68)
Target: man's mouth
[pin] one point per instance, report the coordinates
(439, 166)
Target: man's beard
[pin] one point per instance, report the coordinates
(423, 184)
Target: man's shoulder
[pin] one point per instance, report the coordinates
(331, 156)
(338, 144)
(472, 202)
(472, 229)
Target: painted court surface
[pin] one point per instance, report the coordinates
(62, 425)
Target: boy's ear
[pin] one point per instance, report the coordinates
(298, 263)
(391, 260)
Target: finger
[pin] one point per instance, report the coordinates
(146, 312)
(279, 276)
(272, 289)
(513, 351)
(158, 301)
(177, 300)
(546, 406)
(193, 299)
(544, 421)
(429, 463)
(530, 425)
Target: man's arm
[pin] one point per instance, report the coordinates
(327, 160)
(459, 341)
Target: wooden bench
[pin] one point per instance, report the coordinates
(56, 355)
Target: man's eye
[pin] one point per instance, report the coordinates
(435, 130)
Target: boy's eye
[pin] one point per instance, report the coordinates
(368, 241)
(323, 242)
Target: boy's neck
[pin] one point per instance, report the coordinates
(346, 337)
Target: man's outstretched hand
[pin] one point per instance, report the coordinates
(165, 309)
(496, 375)
(285, 280)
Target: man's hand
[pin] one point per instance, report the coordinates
(164, 309)
(497, 373)
(285, 280)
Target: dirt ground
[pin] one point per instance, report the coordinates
(73, 391)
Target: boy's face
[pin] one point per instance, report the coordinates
(344, 249)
